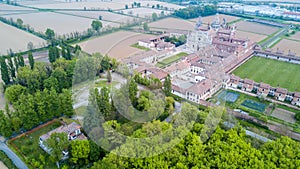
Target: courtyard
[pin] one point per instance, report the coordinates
(273, 72)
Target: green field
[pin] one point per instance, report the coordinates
(273, 72)
(170, 60)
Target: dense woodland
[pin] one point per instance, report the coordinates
(39, 92)
(195, 11)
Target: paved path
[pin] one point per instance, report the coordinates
(16, 160)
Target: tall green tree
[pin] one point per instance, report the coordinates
(96, 25)
(57, 142)
(12, 68)
(80, 150)
(133, 89)
(50, 34)
(31, 60)
(4, 71)
(167, 86)
(21, 60)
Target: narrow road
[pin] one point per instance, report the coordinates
(15, 159)
(270, 41)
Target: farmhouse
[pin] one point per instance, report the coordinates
(72, 130)
(248, 85)
(234, 81)
(296, 99)
(263, 89)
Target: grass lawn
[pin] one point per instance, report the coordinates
(171, 59)
(28, 145)
(104, 83)
(136, 45)
(273, 72)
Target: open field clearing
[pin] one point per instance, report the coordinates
(40, 2)
(287, 45)
(173, 23)
(116, 45)
(284, 115)
(296, 36)
(16, 39)
(5, 7)
(81, 5)
(144, 12)
(252, 36)
(210, 19)
(105, 15)
(164, 4)
(60, 23)
(256, 28)
(273, 72)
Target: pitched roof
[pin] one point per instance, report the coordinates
(200, 87)
(264, 85)
(179, 66)
(248, 81)
(62, 129)
(235, 78)
(297, 94)
(281, 90)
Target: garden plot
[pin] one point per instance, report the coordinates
(173, 23)
(60, 23)
(284, 115)
(17, 39)
(287, 45)
(116, 45)
(144, 12)
(256, 28)
(109, 16)
(251, 36)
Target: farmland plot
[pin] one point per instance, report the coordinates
(173, 23)
(296, 36)
(92, 5)
(5, 7)
(144, 12)
(116, 45)
(210, 19)
(284, 115)
(16, 39)
(287, 45)
(109, 16)
(251, 36)
(256, 28)
(60, 23)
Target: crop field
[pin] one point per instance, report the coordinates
(284, 115)
(273, 72)
(164, 4)
(252, 36)
(173, 23)
(5, 7)
(255, 28)
(296, 36)
(109, 16)
(116, 45)
(210, 19)
(60, 23)
(287, 45)
(144, 12)
(92, 5)
(16, 39)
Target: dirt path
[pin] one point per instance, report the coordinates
(2, 166)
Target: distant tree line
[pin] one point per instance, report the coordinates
(195, 11)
